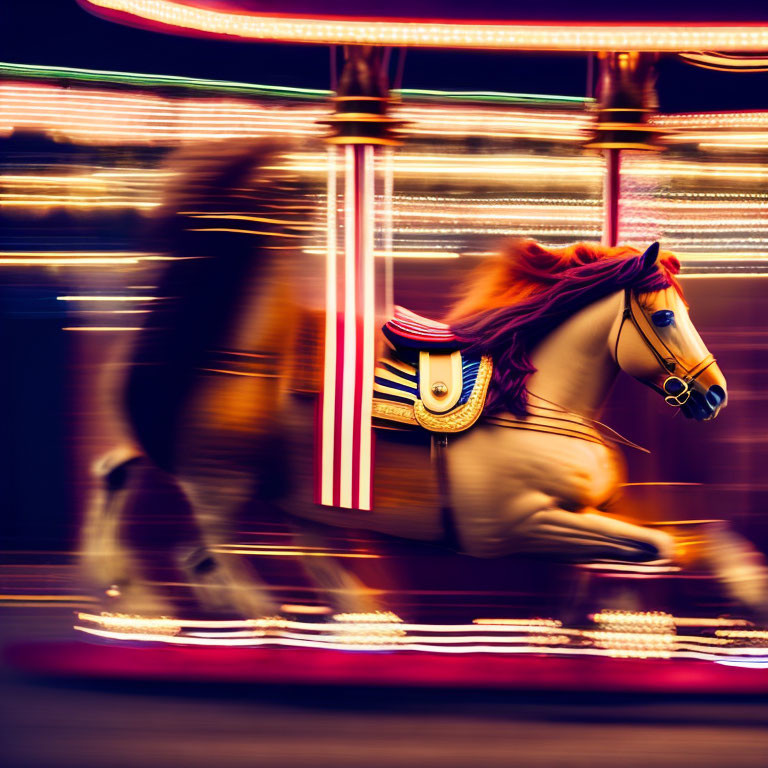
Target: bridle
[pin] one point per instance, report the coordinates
(678, 385)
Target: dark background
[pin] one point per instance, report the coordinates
(58, 726)
(59, 32)
(35, 470)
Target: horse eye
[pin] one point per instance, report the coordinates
(663, 318)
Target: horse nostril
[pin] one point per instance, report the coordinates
(715, 395)
(674, 386)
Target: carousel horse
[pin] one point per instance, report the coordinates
(487, 436)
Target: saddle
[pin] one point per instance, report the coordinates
(426, 379)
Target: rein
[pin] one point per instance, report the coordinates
(560, 421)
(676, 389)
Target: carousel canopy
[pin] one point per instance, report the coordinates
(599, 25)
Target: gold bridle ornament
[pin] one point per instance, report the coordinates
(676, 388)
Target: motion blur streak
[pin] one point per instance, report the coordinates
(618, 634)
(304, 27)
(704, 207)
(622, 645)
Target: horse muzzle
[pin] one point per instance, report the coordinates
(701, 398)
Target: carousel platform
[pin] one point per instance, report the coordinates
(312, 666)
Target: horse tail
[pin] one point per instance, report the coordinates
(199, 291)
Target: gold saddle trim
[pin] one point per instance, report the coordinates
(456, 420)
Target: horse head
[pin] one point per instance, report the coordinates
(657, 343)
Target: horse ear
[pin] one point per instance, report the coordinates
(650, 256)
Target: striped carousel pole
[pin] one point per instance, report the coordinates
(356, 283)
(626, 98)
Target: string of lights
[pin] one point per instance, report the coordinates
(179, 16)
(704, 206)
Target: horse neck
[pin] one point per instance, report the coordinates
(574, 364)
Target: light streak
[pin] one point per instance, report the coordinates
(699, 120)
(85, 114)
(130, 118)
(106, 298)
(617, 635)
(77, 258)
(493, 96)
(328, 406)
(455, 121)
(742, 634)
(688, 621)
(654, 483)
(257, 551)
(115, 117)
(401, 254)
(368, 312)
(523, 625)
(696, 224)
(140, 79)
(102, 328)
(440, 644)
(351, 326)
(65, 262)
(72, 202)
(318, 610)
(732, 145)
(448, 34)
(706, 275)
(486, 166)
(252, 89)
(47, 598)
(746, 664)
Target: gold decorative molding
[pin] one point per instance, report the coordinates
(464, 416)
(402, 412)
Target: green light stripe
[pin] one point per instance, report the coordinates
(135, 78)
(251, 89)
(498, 96)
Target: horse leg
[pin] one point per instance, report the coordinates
(585, 535)
(229, 446)
(222, 580)
(738, 566)
(106, 559)
(344, 590)
(588, 534)
(229, 453)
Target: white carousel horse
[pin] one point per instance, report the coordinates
(535, 473)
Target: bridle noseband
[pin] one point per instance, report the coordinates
(677, 387)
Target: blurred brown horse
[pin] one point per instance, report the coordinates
(221, 394)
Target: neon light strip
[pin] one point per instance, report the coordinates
(349, 369)
(542, 37)
(369, 637)
(65, 262)
(106, 298)
(103, 328)
(150, 116)
(328, 417)
(477, 626)
(726, 120)
(110, 115)
(387, 223)
(229, 86)
(367, 363)
(344, 470)
(492, 96)
(140, 79)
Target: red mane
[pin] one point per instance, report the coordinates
(523, 269)
(516, 299)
